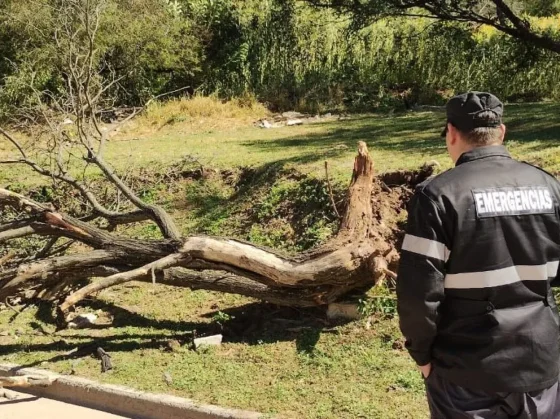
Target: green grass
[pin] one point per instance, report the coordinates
(343, 372)
(395, 141)
(276, 361)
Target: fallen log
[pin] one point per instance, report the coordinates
(357, 257)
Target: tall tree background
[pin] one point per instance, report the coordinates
(289, 54)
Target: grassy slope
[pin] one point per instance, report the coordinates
(401, 141)
(396, 141)
(346, 372)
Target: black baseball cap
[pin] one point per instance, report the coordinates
(464, 111)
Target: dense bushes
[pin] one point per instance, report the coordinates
(143, 43)
(290, 55)
(285, 53)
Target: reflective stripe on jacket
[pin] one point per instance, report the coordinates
(481, 251)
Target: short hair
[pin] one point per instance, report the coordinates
(482, 136)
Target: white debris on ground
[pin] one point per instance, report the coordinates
(292, 118)
(82, 321)
(264, 124)
(214, 340)
(345, 310)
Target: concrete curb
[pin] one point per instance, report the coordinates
(121, 400)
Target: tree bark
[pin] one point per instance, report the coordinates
(356, 257)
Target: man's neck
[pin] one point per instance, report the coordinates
(466, 147)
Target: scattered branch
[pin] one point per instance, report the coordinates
(7, 257)
(16, 233)
(330, 189)
(120, 278)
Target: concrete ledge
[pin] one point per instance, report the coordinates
(121, 400)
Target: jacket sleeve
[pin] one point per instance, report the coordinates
(555, 282)
(420, 281)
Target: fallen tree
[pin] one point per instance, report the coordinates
(82, 256)
(357, 257)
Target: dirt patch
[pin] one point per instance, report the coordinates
(390, 198)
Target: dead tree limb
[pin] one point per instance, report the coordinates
(356, 257)
(119, 278)
(348, 261)
(330, 189)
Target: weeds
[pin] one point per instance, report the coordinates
(201, 113)
(380, 301)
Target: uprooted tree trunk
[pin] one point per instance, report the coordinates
(356, 257)
(79, 258)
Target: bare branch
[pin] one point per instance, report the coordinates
(114, 218)
(12, 225)
(7, 257)
(16, 234)
(11, 139)
(234, 284)
(330, 189)
(13, 279)
(47, 248)
(14, 200)
(149, 269)
(160, 216)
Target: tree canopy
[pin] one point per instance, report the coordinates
(511, 17)
(286, 53)
(142, 43)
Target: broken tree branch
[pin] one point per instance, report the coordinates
(330, 189)
(161, 264)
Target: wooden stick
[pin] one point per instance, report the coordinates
(330, 189)
(10, 255)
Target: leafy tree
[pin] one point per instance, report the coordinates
(508, 16)
(144, 44)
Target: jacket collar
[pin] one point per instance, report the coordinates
(483, 152)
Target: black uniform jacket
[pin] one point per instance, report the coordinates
(478, 261)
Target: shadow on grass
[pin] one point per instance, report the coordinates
(251, 324)
(413, 132)
(259, 323)
(394, 133)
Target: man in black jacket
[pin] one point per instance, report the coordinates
(478, 260)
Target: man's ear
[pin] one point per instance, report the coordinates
(504, 130)
(453, 134)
